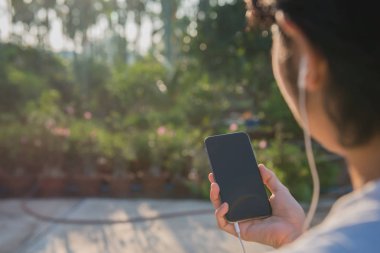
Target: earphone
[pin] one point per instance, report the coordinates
(303, 68)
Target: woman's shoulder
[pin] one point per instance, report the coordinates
(358, 206)
(353, 225)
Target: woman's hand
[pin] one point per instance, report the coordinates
(283, 227)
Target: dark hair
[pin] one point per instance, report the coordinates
(346, 33)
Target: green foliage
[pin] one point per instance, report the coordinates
(276, 110)
(140, 87)
(22, 80)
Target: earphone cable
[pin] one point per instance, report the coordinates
(308, 145)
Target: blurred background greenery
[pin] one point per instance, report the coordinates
(130, 88)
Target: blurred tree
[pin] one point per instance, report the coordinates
(110, 106)
(138, 9)
(35, 14)
(238, 60)
(169, 9)
(117, 16)
(139, 88)
(77, 17)
(24, 13)
(23, 80)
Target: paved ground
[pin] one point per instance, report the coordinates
(21, 233)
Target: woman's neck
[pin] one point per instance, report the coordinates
(364, 163)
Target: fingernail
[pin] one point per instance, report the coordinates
(262, 165)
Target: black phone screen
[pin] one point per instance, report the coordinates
(235, 170)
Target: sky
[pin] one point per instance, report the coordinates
(4, 17)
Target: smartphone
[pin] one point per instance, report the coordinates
(235, 169)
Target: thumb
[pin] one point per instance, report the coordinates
(271, 180)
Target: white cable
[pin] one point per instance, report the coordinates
(308, 146)
(237, 230)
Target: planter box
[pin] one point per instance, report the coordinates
(154, 186)
(16, 186)
(180, 191)
(51, 187)
(88, 186)
(120, 187)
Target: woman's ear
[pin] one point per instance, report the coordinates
(316, 64)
